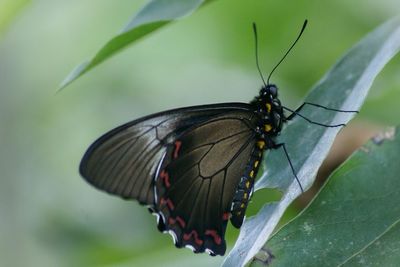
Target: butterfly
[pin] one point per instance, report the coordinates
(193, 167)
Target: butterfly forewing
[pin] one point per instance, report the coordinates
(124, 161)
(121, 161)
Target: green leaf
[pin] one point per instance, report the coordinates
(9, 9)
(383, 251)
(354, 219)
(344, 87)
(152, 16)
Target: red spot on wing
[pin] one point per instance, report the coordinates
(225, 216)
(167, 201)
(196, 237)
(178, 145)
(165, 177)
(178, 219)
(181, 221)
(186, 237)
(162, 201)
(213, 233)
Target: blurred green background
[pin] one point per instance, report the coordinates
(49, 215)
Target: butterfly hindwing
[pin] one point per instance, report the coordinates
(198, 177)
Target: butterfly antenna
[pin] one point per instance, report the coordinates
(288, 51)
(256, 43)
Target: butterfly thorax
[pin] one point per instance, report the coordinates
(268, 108)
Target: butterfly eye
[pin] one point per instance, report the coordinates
(273, 90)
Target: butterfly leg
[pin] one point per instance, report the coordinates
(296, 113)
(290, 163)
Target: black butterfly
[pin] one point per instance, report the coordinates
(194, 167)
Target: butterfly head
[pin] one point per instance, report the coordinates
(270, 91)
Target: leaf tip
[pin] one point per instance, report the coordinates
(73, 75)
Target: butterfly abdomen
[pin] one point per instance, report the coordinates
(245, 187)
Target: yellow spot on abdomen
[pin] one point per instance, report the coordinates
(242, 206)
(267, 127)
(247, 184)
(260, 144)
(256, 164)
(268, 106)
(252, 174)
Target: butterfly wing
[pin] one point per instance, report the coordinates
(184, 163)
(198, 178)
(124, 160)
